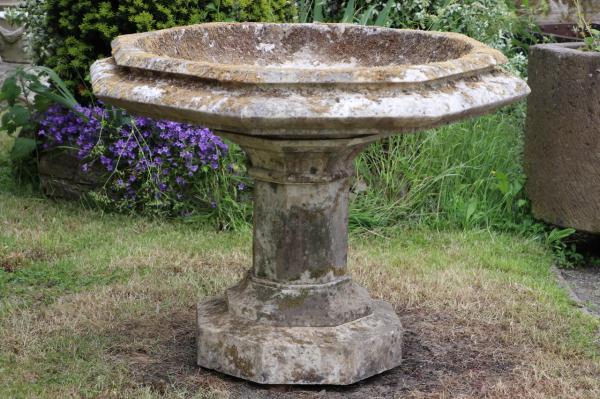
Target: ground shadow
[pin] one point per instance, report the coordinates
(434, 362)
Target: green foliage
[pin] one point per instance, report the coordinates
(25, 93)
(81, 31)
(365, 16)
(28, 91)
(565, 253)
(591, 36)
(13, 16)
(493, 22)
(233, 210)
(464, 175)
(485, 20)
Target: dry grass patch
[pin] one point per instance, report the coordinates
(483, 316)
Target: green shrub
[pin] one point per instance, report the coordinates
(493, 22)
(74, 33)
(484, 20)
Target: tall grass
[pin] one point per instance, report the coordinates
(462, 175)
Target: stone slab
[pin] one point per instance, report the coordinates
(339, 355)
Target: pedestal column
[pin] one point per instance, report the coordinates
(297, 317)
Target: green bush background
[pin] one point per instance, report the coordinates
(466, 175)
(81, 30)
(463, 175)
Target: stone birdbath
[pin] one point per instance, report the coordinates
(303, 100)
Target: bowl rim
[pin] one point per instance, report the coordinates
(128, 52)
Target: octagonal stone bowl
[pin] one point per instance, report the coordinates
(310, 80)
(303, 100)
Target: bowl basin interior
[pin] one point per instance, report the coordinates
(302, 46)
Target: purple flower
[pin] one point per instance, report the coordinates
(169, 154)
(107, 162)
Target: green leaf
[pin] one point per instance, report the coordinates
(304, 11)
(471, 208)
(10, 91)
(15, 117)
(20, 115)
(318, 11)
(23, 148)
(502, 182)
(559, 234)
(7, 124)
(66, 97)
(382, 18)
(41, 103)
(366, 16)
(349, 12)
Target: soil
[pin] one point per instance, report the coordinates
(441, 356)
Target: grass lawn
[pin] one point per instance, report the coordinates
(98, 305)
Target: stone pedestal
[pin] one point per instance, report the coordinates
(303, 100)
(297, 317)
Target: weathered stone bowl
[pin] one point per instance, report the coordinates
(305, 80)
(303, 100)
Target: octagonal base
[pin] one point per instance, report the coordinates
(339, 355)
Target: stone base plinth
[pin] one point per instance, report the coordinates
(265, 354)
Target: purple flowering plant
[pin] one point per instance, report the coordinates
(152, 166)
